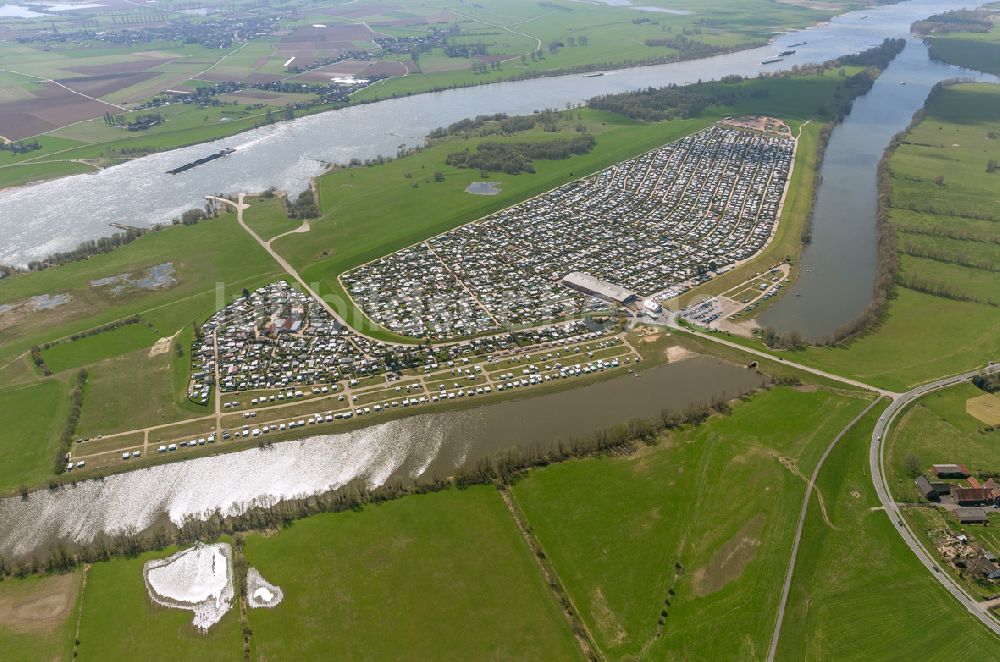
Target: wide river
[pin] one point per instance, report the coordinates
(43, 218)
(422, 446)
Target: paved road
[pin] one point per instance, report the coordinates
(670, 320)
(876, 459)
(798, 529)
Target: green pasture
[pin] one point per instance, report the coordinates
(31, 421)
(435, 576)
(858, 593)
(699, 525)
(91, 349)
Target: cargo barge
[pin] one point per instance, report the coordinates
(197, 162)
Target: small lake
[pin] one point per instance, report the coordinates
(422, 446)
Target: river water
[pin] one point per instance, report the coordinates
(50, 216)
(838, 267)
(426, 445)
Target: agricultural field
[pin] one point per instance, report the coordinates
(448, 574)
(858, 593)
(631, 536)
(31, 422)
(37, 616)
(938, 429)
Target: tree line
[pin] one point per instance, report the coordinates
(263, 514)
(515, 158)
(69, 429)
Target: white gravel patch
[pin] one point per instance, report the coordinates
(260, 592)
(199, 579)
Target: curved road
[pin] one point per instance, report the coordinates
(877, 461)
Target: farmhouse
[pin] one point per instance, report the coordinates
(926, 489)
(976, 496)
(950, 471)
(983, 567)
(971, 515)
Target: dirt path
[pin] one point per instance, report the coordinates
(305, 227)
(776, 634)
(588, 646)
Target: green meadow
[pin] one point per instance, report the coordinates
(436, 576)
(698, 527)
(31, 422)
(91, 349)
(858, 593)
(118, 621)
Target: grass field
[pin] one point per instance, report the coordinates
(438, 576)
(972, 50)
(923, 337)
(92, 349)
(111, 403)
(858, 593)
(120, 622)
(268, 219)
(938, 430)
(31, 420)
(624, 531)
(37, 617)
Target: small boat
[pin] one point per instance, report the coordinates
(771, 60)
(787, 53)
(597, 75)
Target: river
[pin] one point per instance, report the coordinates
(421, 446)
(838, 268)
(43, 218)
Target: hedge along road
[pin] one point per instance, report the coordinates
(876, 459)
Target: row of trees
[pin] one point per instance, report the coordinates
(90, 247)
(939, 255)
(20, 146)
(515, 158)
(265, 515)
(75, 409)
